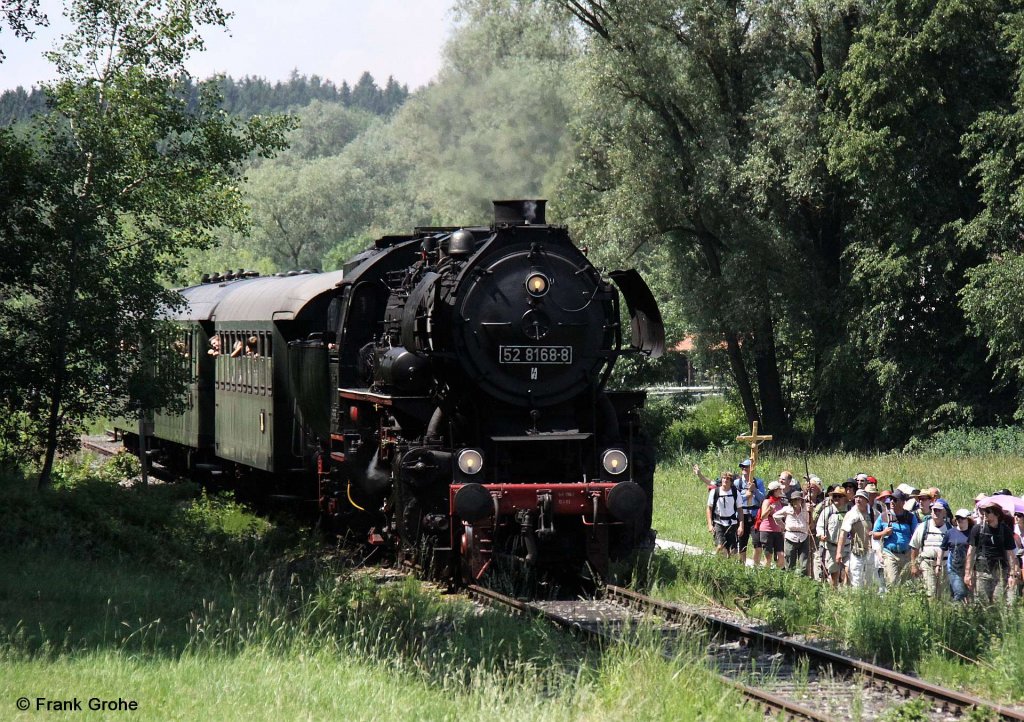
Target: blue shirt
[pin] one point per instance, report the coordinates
(903, 528)
(758, 497)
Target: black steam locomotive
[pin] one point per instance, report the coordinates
(443, 395)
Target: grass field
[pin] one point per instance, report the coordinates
(194, 609)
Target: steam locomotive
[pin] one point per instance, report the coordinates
(443, 395)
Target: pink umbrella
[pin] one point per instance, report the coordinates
(1012, 504)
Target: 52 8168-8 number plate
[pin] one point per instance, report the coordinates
(535, 354)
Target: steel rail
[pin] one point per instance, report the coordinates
(765, 699)
(823, 656)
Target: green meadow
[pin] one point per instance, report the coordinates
(192, 608)
(972, 647)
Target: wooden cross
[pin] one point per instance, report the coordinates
(755, 441)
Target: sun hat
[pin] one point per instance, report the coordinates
(962, 514)
(863, 495)
(774, 486)
(795, 496)
(814, 480)
(871, 488)
(899, 495)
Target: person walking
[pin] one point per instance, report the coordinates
(926, 548)
(769, 530)
(723, 514)
(895, 528)
(856, 527)
(796, 523)
(953, 554)
(829, 530)
(990, 556)
(751, 496)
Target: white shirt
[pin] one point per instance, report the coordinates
(726, 513)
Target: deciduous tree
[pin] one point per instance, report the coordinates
(133, 178)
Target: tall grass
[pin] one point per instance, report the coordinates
(196, 609)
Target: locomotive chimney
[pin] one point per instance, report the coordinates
(529, 212)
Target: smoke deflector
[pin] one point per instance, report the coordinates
(645, 322)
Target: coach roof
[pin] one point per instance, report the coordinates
(279, 298)
(256, 299)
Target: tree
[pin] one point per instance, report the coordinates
(700, 130)
(133, 180)
(921, 80)
(20, 16)
(805, 163)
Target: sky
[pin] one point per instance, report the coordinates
(335, 39)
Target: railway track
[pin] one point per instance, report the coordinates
(107, 445)
(783, 676)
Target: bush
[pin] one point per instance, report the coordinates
(713, 422)
(966, 441)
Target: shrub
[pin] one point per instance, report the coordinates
(713, 422)
(987, 441)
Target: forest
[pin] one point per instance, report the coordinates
(826, 196)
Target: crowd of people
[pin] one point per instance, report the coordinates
(853, 534)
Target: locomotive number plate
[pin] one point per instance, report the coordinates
(535, 354)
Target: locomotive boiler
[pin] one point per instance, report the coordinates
(445, 394)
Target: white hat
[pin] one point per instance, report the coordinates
(962, 513)
(774, 485)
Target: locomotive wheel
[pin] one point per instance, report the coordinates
(473, 563)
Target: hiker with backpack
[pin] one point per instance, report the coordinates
(724, 514)
(990, 556)
(953, 554)
(895, 529)
(855, 528)
(926, 548)
(829, 531)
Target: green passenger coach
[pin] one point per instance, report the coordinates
(235, 337)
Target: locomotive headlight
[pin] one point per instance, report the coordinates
(537, 284)
(470, 461)
(614, 461)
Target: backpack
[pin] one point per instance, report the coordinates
(833, 538)
(735, 505)
(857, 544)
